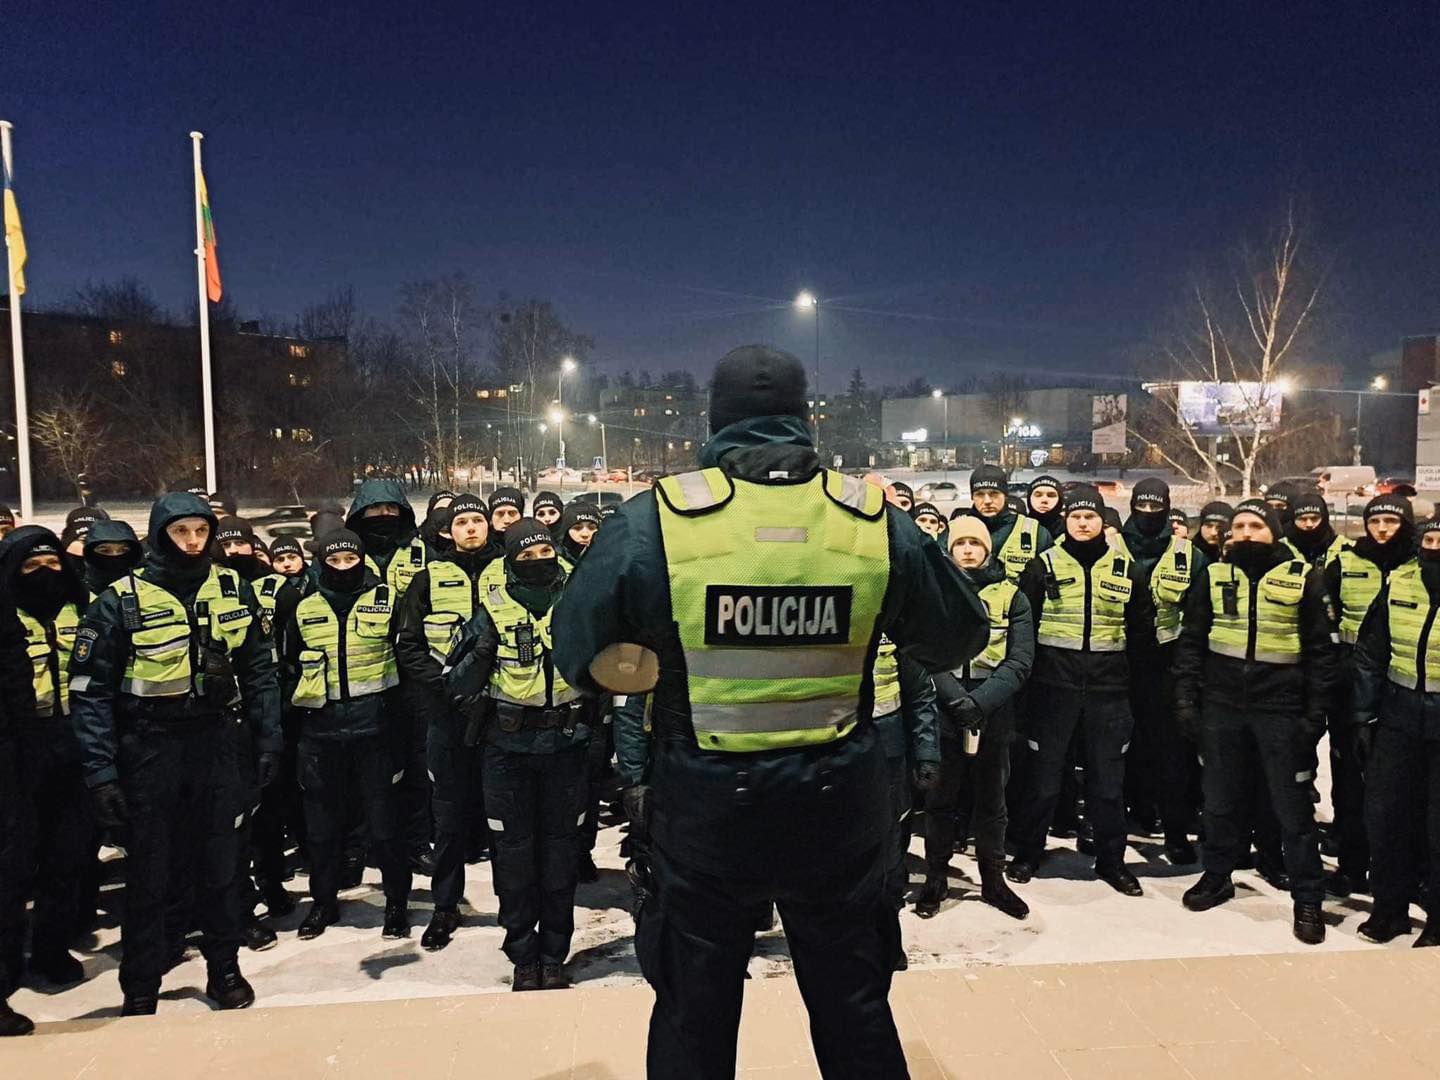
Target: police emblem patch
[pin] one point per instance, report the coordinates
(84, 642)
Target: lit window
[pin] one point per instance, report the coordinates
(301, 434)
(639, 412)
(116, 337)
(299, 379)
(279, 433)
(669, 397)
(669, 412)
(482, 394)
(117, 368)
(300, 352)
(501, 393)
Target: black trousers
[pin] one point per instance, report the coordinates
(179, 784)
(332, 772)
(1104, 723)
(600, 749)
(280, 819)
(417, 827)
(1236, 746)
(897, 877)
(535, 803)
(457, 772)
(971, 797)
(1163, 774)
(1402, 814)
(1347, 782)
(694, 936)
(47, 826)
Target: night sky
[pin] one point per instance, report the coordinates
(992, 189)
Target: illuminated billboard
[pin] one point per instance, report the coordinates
(1229, 408)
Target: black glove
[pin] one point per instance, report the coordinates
(965, 712)
(636, 800)
(927, 775)
(108, 803)
(1187, 720)
(1363, 742)
(267, 768)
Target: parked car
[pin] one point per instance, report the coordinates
(1395, 485)
(1337, 480)
(945, 494)
(600, 498)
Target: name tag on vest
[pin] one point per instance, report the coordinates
(754, 615)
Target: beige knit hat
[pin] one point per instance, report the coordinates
(971, 526)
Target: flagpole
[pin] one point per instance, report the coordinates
(208, 390)
(17, 352)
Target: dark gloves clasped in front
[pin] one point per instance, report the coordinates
(965, 712)
(927, 775)
(267, 768)
(108, 803)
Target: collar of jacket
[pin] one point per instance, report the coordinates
(989, 574)
(1142, 546)
(759, 445)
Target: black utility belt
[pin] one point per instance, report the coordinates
(512, 718)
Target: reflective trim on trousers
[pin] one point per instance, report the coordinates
(775, 663)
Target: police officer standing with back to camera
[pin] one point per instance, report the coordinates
(1254, 672)
(161, 660)
(1015, 538)
(1090, 609)
(758, 589)
(17, 712)
(1397, 714)
(441, 600)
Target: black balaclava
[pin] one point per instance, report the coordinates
(166, 564)
(547, 498)
(382, 533)
(756, 380)
(1281, 496)
(249, 566)
(1429, 559)
(1252, 556)
(534, 582)
(1150, 507)
(346, 582)
(43, 592)
(288, 545)
(1399, 547)
(572, 515)
(1311, 542)
(505, 496)
(902, 488)
(1053, 519)
(1086, 552)
(437, 522)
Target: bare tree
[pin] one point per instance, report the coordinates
(439, 317)
(528, 343)
(68, 428)
(1247, 332)
(126, 300)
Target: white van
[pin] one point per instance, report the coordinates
(1336, 481)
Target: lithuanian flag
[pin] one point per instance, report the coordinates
(14, 236)
(212, 264)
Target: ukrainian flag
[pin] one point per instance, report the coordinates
(14, 235)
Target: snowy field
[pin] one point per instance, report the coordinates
(1074, 919)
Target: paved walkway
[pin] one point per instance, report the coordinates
(1359, 1014)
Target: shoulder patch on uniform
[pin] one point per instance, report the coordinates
(267, 625)
(85, 639)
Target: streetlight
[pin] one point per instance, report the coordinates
(557, 417)
(1379, 384)
(945, 446)
(808, 301)
(567, 367)
(1016, 422)
(604, 455)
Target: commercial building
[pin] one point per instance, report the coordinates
(990, 426)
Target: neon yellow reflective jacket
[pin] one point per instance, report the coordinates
(49, 648)
(1338, 545)
(776, 591)
(887, 679)
(1020, 546)
(162, 651)
(1360, 581)
(997, 598)
(1169, 581)
(1260, 620)
(452, 603)
(403, 566)
(1411, 615)
(345, 659)
(267, 589)
(1085, 608)
(523, 662)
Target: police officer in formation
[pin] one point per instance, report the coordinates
(1015, 538)
(441, 600)
(547, 508)
(1214, 524)
(163, 661)
(1310, 535)
(978, 704)
(757, 590)
(338, 656)
(928, 517)
(1254, 672)
(535, 728)
(1091, 607)
(1043, 504)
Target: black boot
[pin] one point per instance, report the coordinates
(1273, 873)
(1342, 884)
(140, 1005)
(527, 977)
(422, 862)
(1118, 876)
(997, 893)
(1212, 890)
(58, 969)
(553, 977)
(1309, 926)
(931, 895)
(258, 936)
(320, 916)
(278, 902)
(1430, 936)
(1085, 839)
(586, 871)
(397, 919)
(1180, 851)
(12, 1023)
(353, 874)
(228, 988)
(1385, 925)
(1021, 869)
(443, 925)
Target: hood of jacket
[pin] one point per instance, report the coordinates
(753, 447)
(162, 565)
(375, 492)
(17, 547)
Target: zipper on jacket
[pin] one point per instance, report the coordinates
(1087, 607)
(341, 659)
(1422, 650)
(1254, 626)
(53, 665)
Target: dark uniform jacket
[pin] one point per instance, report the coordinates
(1416, 712)
(996, 696)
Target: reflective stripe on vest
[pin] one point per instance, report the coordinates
(520, 665)
(887, 678)
(1020, 546)
(160, 663)
(1411, 615)
(37, 645)
(1107, 587)
(357, 663)
(1360, 581)
(402, 568)
(267, 589)
(1276, 616)
(451, 606)
(1169, 581)
(997, 598)
(776, 590)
